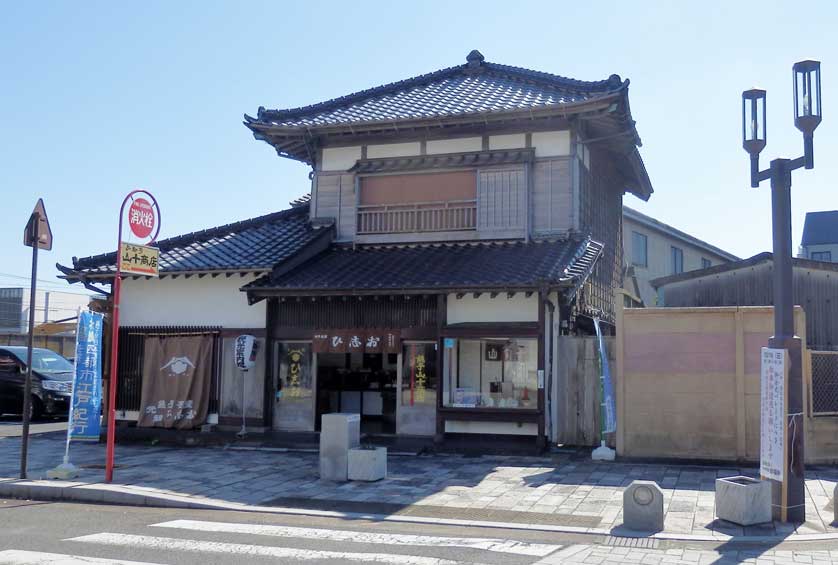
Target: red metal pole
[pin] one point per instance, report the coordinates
(117, 285)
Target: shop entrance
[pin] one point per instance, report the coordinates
(360, 383)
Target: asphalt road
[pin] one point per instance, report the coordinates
(38, 532)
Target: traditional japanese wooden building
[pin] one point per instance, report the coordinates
(458, 222)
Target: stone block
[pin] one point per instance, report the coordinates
(338, 434)
(367, 464)
(743, 500)
(643, 507)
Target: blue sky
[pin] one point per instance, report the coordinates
(98, 98)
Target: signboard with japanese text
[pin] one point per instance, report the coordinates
(86, 400)
(773, 375)
(141, 218)
(360, 341)
(177, 372)
(139, 259)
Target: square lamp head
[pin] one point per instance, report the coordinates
(807, 95)
(753, 121)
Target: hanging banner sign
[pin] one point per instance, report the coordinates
(609, 405)
(139, 259)
(86, 401)
(772, 422)
(360, 341)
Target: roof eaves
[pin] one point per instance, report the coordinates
(561, 108)
(183, 240)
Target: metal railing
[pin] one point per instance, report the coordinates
(450, 215)
(824, 383)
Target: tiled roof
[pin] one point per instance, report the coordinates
(496, 265)
(256, 244)
(820, 228)
(474, 87)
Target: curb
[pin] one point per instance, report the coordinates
(98, 493)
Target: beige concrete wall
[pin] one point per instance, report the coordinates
(688, 384)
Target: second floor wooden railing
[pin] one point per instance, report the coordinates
(450, 215)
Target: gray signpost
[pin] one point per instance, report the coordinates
(36, 235)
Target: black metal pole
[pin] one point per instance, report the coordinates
(791, 507)
(27, 385)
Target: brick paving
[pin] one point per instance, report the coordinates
(475, 487)
(604, 555)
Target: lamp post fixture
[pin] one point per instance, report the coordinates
(788, 496)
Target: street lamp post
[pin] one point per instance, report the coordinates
(788, 496)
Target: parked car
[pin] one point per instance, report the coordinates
(52, 381)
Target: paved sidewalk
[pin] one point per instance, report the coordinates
(555, 490)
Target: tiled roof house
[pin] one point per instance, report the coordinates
(458, 222)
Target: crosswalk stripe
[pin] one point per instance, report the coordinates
(20, 557)
(487, 544)
(243, 550)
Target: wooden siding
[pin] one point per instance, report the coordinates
(301, 317)
(335, 198)
(814, 290)
(601, 215)
(552, 197)
(502, 203)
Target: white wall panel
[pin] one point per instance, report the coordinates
(189, 302)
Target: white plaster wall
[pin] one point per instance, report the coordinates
(508, 141)
(508, 428)
(339, 158)
(551, 143)
(459, 145)
(519, 308)
(393, 150)
(194, 301)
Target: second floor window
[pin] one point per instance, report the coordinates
(677, 260)
(706, 263)
(639, 250)
(821, 256)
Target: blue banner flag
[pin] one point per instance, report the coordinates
(609, 409)
(86, 403)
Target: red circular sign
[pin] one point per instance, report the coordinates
(141, 217)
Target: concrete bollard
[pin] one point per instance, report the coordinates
(338, 434)
(643, 507)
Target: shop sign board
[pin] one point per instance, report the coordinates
(139, 259)
(773, 375)
(359, 340)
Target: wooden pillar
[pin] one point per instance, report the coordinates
(268, 400)
(541, 439)
(441, 320)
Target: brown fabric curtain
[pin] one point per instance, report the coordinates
(177, 374)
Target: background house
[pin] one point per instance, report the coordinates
(820, 237)
(50, 306)
(653, 249)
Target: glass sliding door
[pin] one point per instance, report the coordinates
(417, 390)
(293, 386)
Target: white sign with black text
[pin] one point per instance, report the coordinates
(773, 413)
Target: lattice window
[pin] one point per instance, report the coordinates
(825, 383)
